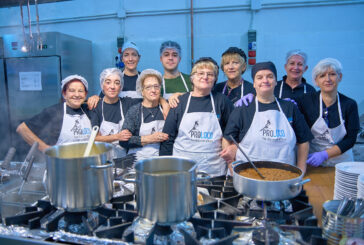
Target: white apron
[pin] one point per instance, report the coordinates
(148, 150)
(167, 95)
(325, 137)
(75, 128)
(281, 89)
(131, 94)
(269, 138)
(110, 128)
(199, 138)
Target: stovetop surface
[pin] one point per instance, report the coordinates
(223, 217)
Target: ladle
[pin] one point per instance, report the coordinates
(241, 150)
(91, 140)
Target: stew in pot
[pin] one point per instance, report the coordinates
(270, 174)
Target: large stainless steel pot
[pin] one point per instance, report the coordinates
(78, 183)
(267, 190)
(166, 190)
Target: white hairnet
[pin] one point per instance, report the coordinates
(72, 78)
(143, 75)
(111, 71)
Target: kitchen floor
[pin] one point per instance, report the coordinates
(321, 187)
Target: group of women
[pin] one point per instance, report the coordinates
(200, 122)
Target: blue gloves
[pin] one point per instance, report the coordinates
(246, 99)
(317, 158)
(289, 99)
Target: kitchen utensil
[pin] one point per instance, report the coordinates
(335, 226)
(78, 183)
(91, 140)
(267, 190)
(241, 150)
(166, 190)
(26, 174)
(9, 155)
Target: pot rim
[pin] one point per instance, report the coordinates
(192, 169)
(107, 145)
(268, 181)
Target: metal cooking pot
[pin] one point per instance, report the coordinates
(267, 190)
(166, 190)
(78, 183)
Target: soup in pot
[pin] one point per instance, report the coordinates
(270, 174)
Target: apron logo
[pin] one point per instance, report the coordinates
(197, 134)
(324, 136)
(112, 132)
(77, 129)
(153, 130)
(270, 134)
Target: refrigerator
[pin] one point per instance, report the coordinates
(33, 73)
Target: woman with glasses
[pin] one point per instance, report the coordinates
(332, 117)
(269, 129)
(195, 127)
(110, 111)
(145, 120)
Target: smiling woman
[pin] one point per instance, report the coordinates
(61, 123)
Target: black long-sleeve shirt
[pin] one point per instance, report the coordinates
(223, 107)
(242, 117)
(235, 93)
(292, 93)
(309, 105)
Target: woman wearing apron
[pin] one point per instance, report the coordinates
(195, 126)
(110, 112)
(233, 64)
(293, 85)
(268, 129)
(145, 120)
(61, 123)
(332, 116)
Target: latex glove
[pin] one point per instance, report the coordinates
(292, 100)
(317, 158)
(246, 100)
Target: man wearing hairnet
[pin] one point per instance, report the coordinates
(175, 83)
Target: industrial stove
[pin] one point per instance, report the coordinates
(223, 217)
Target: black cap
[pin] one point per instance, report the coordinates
(268, 65)
(203, 59)
(235, 50)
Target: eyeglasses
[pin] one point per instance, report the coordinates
(149, 88)
(325, 116)
(203, 74)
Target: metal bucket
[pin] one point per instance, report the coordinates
(78, 183)
(335, 227)
(166, 190)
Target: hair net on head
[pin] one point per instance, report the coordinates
(296, 52)
(170, 44)
(111, 71)
(129, 45)
(235, 50)
(143, 75)
(264, 66)
(72, 78)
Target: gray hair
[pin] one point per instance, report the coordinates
(170, 44)
(111, 71)
(143, 75)
(324, 65)
(296, 52)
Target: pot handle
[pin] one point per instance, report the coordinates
(128, 177)
(299, 184)
(105, 166)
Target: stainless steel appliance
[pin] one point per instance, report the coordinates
(33, 76)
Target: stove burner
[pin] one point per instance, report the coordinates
(264, 236)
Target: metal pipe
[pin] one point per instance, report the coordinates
(192, 44)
